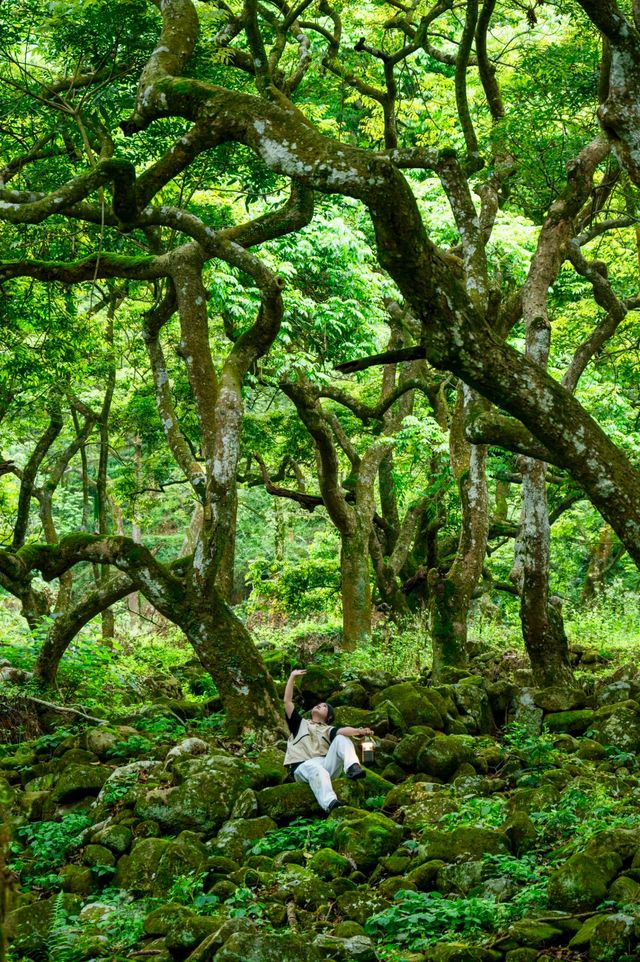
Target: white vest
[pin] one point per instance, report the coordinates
(311, 741)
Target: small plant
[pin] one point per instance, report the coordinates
(244, 904)
(189, 890)
(303, 833)
(50, 842)
(537, 751)
(62, 937)
(420, 919)
(479, 812)
(131, 746)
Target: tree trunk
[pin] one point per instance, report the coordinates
(225, 649)
(356, 590)
(541, 619)
(226, 572)
(450, 594)
(598, 565)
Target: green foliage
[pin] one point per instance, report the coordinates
(419, 919)
(47, 847)
(189, 890)
(244, 903)
(480, 812)
(133, 746)
(62, 937)
(537, 751)
(303, 833)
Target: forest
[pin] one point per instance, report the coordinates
(319, 350)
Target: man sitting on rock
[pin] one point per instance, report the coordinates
(316, 750)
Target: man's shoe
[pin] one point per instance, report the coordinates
(354, 771)
(336, 803)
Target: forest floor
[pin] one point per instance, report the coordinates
(497, 822)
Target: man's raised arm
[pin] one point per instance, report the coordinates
(288, 692)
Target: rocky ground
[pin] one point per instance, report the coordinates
(467, 841)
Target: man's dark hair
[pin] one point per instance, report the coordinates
(330, 713)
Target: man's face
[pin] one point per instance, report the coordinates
(320, 713)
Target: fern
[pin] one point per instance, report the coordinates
(62, 938)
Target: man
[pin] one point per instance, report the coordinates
(316, 750)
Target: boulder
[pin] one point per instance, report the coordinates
(613, 937)
(413, 703)
(117, 837)
(137, 871)
(317, 685)
(329, 864)
(79, 781)
(459, 952)
(526, 712)
(236, 836)
(581, 883)
(472, 701)
(27, 927)
(288, 801)
(574, 722)
(619, 726)
(465, 843)
(185, 855)
(556, 699)
(357, 948)
(188, 747)
(444, 754)
(263, 947)
(360, 904)
(366, 837)
(203, 801)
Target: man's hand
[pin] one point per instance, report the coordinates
(365, 731)
(288, 692)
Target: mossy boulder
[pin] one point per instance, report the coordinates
(424, 876)
(203, 801)
(27, 928)
(79, 781)
(357, 948)
(574, 722)
(187, 931)
(466, 843)
(118, 838)
(137, 871)
(355, 792)
(557, 699)
(299, 884)
(262, 947)
(360, 904)
(444, 754)
(100, 741)
(535, 932)
(624, 890)
(426, 808)
(267, 768)
(618, 725)
(625, 842)
(236, 836)
(317, 685)
(614, 937)
(98, 856)
(581, 883)
(329, 864)
(185, 855)
(288, 801)
(413, 703)
(459, 952)
(375, 718)
(127, 783)
(472, 702)
(366, 837)
(460, 877)
(77, 879)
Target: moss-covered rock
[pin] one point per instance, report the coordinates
(557, 699)
(574, 722)
(185, 855)
(187, 931)
(80, 781)
(459, 952)
(460, 877)
(117, 838)
(413, 703)
(614, 937)
(317, 685)
(77, 879)
(202, 802)
(366, 837)
(358, 948)
(625, 891)
(360, 904)
(288, 801)
(535, 932)
(424, 876)
(98, 856)
(262, 947)
(444, 754)
(28, 927)
(355, 792)
(466, 843)
(236, 836)
(618, 725)
(329, 864)
(581, 883)
(137, 871)
(472, 701)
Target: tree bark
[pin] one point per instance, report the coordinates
(356, 588)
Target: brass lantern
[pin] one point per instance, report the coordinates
(368, 751)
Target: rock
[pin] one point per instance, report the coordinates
(533, 932)
(100, 741)
(263, 947)
(581, 883)
(625, 842)
(616, 692)
(612, 937)
(137, 871)
(472, 701)
(358, 948)
(424, 876)
(574, 722)
(522, 955)
(246, 805)
(460, 877)
(127, 783)
(591, 751)
(365, 838)
(215, 940)
(353, 694)
(185, 855)
(160, 920)
(299, 884)
(187, 747)
(117, 837)
(554, 699)
(317, 685)
(236, 836)
(526, 712)
(619, 726)
(96, 856)
(521, 833)
(376, 718)
(27, 928)
(76, 756)
(462, 844)
(203, 801)
(624, 890)
(187, 931)
(413, 703)
(79, 781)
(285, 802)
(267, 768)
(458, 952)
(328, 864)
(76, 879)
(444, 754)
(356, 792)
(360, 904)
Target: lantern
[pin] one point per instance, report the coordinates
(367, 751)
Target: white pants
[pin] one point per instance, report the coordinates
(317, 772)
